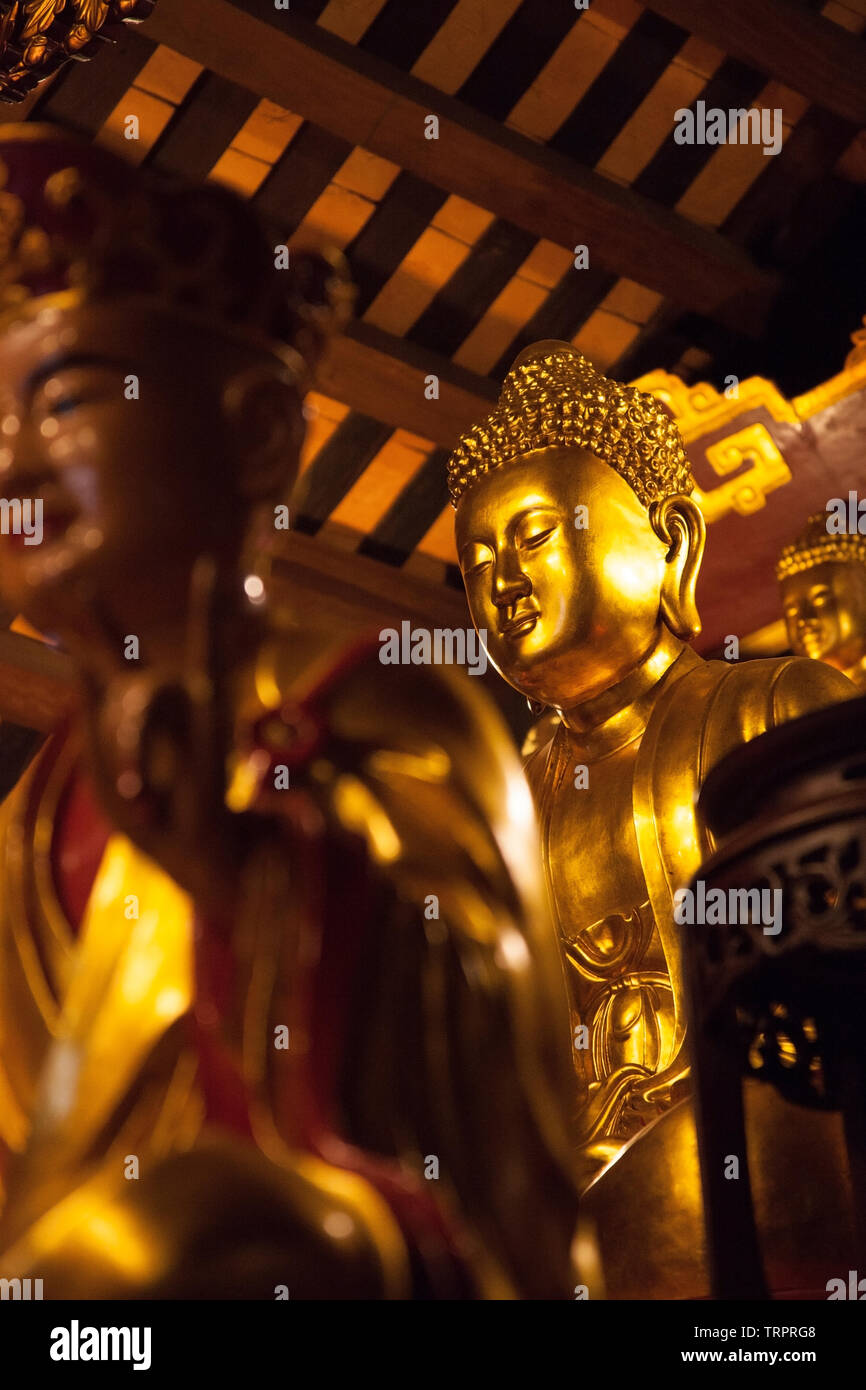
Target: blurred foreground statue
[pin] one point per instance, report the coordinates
(822, 583)
(307, 1008)
(580, 549)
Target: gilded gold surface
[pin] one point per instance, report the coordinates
(750, 452)
(445, 1031)
(36, 946)
(587, 598)
(822, 586)
(645, 1216)
(85, 1011)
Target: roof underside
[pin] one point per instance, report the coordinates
(556, 129)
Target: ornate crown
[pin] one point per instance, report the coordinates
(38, 36)
(815, 545)
(78, 222)
(554, 396)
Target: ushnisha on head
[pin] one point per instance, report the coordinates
(153, 360)
(554, 397)
(577, 537)
(822, 582)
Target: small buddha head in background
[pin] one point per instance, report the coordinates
(822, 583)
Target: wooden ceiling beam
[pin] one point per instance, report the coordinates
(304, 69)
(351, 593)
(388, 378)
(803, 50)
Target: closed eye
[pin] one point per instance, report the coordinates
(65, 405)
(475, 558)
(537, 538)
(477, 567)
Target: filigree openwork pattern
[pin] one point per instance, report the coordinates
(784, 1001)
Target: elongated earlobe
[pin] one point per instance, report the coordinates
(262, 410)
(679, 524)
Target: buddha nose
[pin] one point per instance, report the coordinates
(509, 581)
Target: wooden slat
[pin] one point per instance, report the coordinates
(673, 168)
(566, 77)
(338, 466)
(360, 99)
(168, 75)
(153, 116)
(431, 262)
(83, 95)
(350, 19)
(203, 128)
(461, 42)
(732, 170)
(467, 296)
(400, 219)
(518, 56)
(517, 302)
(643, 133)
(322, 415)
(801, 49)
(569, 304)
(411, 514)
(605, 337)
(400, 33)
(300, 177)
(639, 61)
(378, 487)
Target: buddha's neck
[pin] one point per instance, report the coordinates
(618, 715)
(162, 623)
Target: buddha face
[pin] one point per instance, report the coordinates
(570, 599)
(112, 417)
(825, 613)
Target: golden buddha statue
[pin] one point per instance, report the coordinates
(580, 547)
(822, 584)
(302, 973)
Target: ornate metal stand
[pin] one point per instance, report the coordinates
(787, 812)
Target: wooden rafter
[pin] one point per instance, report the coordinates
(804, 50)
(388, 378)
(358, 98)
